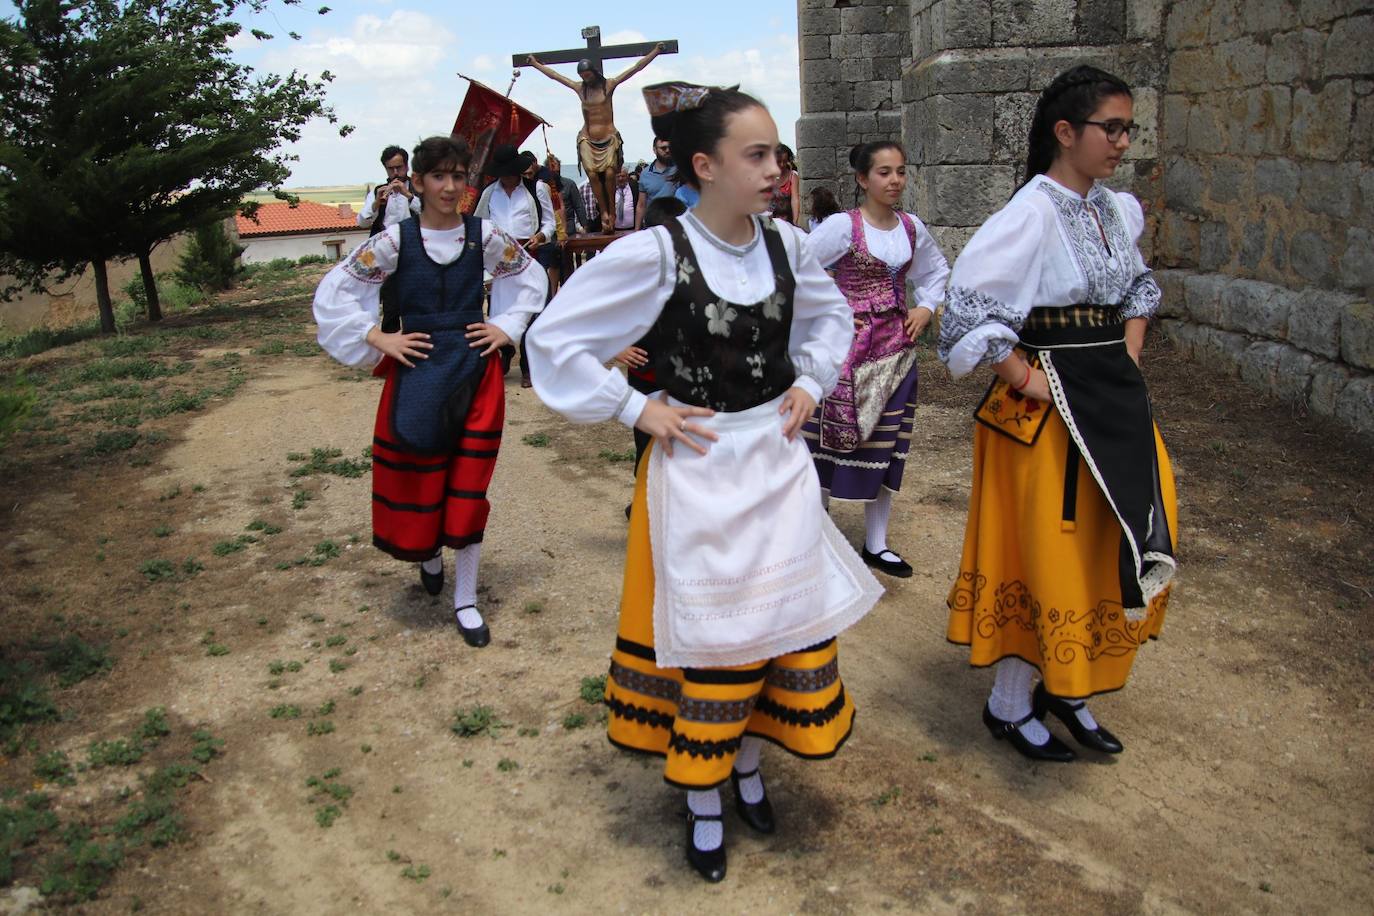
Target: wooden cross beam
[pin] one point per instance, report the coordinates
(594, 51)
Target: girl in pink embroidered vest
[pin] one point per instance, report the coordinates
(860, 435)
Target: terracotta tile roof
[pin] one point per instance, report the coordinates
(280, 218)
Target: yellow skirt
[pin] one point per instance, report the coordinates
(696, 717)
(1040, 588)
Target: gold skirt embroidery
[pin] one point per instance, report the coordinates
(1040, 588)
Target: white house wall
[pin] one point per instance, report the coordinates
(258, 250)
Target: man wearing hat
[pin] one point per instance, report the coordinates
(521, 206)
(598, 142)
(523, 209)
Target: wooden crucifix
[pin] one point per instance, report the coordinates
(598, 142)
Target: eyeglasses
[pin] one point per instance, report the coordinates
(1114, 129)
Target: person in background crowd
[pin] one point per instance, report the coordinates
(519, 206)
(575, 218)
(389, 203)
(624, 202)
(658, 179)
(822, 205)
(786, 202)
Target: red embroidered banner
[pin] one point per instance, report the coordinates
(488, 118)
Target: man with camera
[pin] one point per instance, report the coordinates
(392, 202)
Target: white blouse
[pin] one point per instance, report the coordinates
(348, 299)
(1048, 247)
(613, 299)
(398, 208)
(831, 241)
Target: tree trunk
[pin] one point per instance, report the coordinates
(145, 267)
(102, 296)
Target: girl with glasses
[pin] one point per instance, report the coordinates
(1069, 548)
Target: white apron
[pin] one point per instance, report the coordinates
(747, 564)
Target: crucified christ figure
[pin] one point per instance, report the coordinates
(598, 142)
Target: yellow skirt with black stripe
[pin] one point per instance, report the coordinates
(696, 717)
(1041, 588)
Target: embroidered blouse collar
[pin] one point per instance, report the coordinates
(1068, 192)
(737, 251)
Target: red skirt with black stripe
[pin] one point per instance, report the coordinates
(423, 502)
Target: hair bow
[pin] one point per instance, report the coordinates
(666, 98)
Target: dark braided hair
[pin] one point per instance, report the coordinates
(1071, 96)
(700, 129)
(861, 160)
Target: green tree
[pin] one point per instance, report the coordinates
(125, 122)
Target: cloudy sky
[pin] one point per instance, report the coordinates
(397, 62)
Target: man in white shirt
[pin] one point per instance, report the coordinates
(624, 202)
(390, 203)
(523, 208)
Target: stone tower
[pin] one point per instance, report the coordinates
(1254, 160)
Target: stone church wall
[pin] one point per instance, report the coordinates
(1253, 158)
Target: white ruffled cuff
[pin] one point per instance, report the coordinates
(990, 342)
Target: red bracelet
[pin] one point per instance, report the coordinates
(1025, 381)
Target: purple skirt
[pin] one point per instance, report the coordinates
(879, 461)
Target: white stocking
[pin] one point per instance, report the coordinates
(876, 515)
(706, 835)
(1010, 699)
(434, 564)
(465, 564)
(747, 761)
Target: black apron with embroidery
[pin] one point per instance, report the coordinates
(430, 401)
(1107, 409)
(723, 355)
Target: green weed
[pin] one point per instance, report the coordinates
(593, 689)
(54, 766)
(285, 711)
(114, 753)
(415, 873)
(108, 443)
(329, 461)
(479, 720)
(74, 660)
(536, 440)
(574, 720)
(506, 765)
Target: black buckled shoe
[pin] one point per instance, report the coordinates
(709, 863)
(1053, 750)
(433, 582)
(477, 637)
(898, 568)
(759, 815)
(1094, 739)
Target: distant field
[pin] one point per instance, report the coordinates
(330, 195)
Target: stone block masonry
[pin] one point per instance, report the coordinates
(1254, 158)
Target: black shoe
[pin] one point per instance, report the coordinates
(433, 582)
(477, 637)
(758, 815)
(1053, 750)
(709, 863)
(899, 568)
(1095, 739)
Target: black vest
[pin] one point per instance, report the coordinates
(723, 355)
(430, 400)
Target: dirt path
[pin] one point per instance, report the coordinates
(1245, 785)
